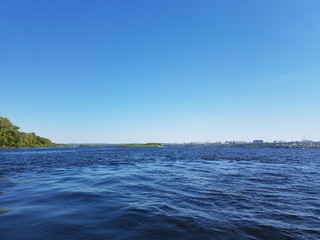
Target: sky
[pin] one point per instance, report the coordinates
(121, 71)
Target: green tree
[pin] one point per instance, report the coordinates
(11, 137)
(9, 134)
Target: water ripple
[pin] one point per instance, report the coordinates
(167, 193)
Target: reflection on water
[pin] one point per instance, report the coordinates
(4, 211)
(167, 193)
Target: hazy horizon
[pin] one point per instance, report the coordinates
(161, 71)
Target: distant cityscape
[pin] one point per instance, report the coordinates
(254, 144)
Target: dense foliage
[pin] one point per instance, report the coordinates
(11, 137)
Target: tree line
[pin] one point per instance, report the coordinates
(11, 137)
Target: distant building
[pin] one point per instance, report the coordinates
(307, 143)
(257, 141)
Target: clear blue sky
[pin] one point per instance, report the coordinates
(161, 70)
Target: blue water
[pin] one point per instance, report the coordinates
(159, 193)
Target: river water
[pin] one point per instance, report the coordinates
(159, 193)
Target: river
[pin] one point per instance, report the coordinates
(159, 193)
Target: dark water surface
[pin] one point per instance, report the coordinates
(159, 193)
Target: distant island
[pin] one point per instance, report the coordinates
(11, 137)
(131, 145)
(142, 145)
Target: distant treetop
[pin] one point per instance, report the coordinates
(11, 137)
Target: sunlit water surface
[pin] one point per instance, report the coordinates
(159, 193)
